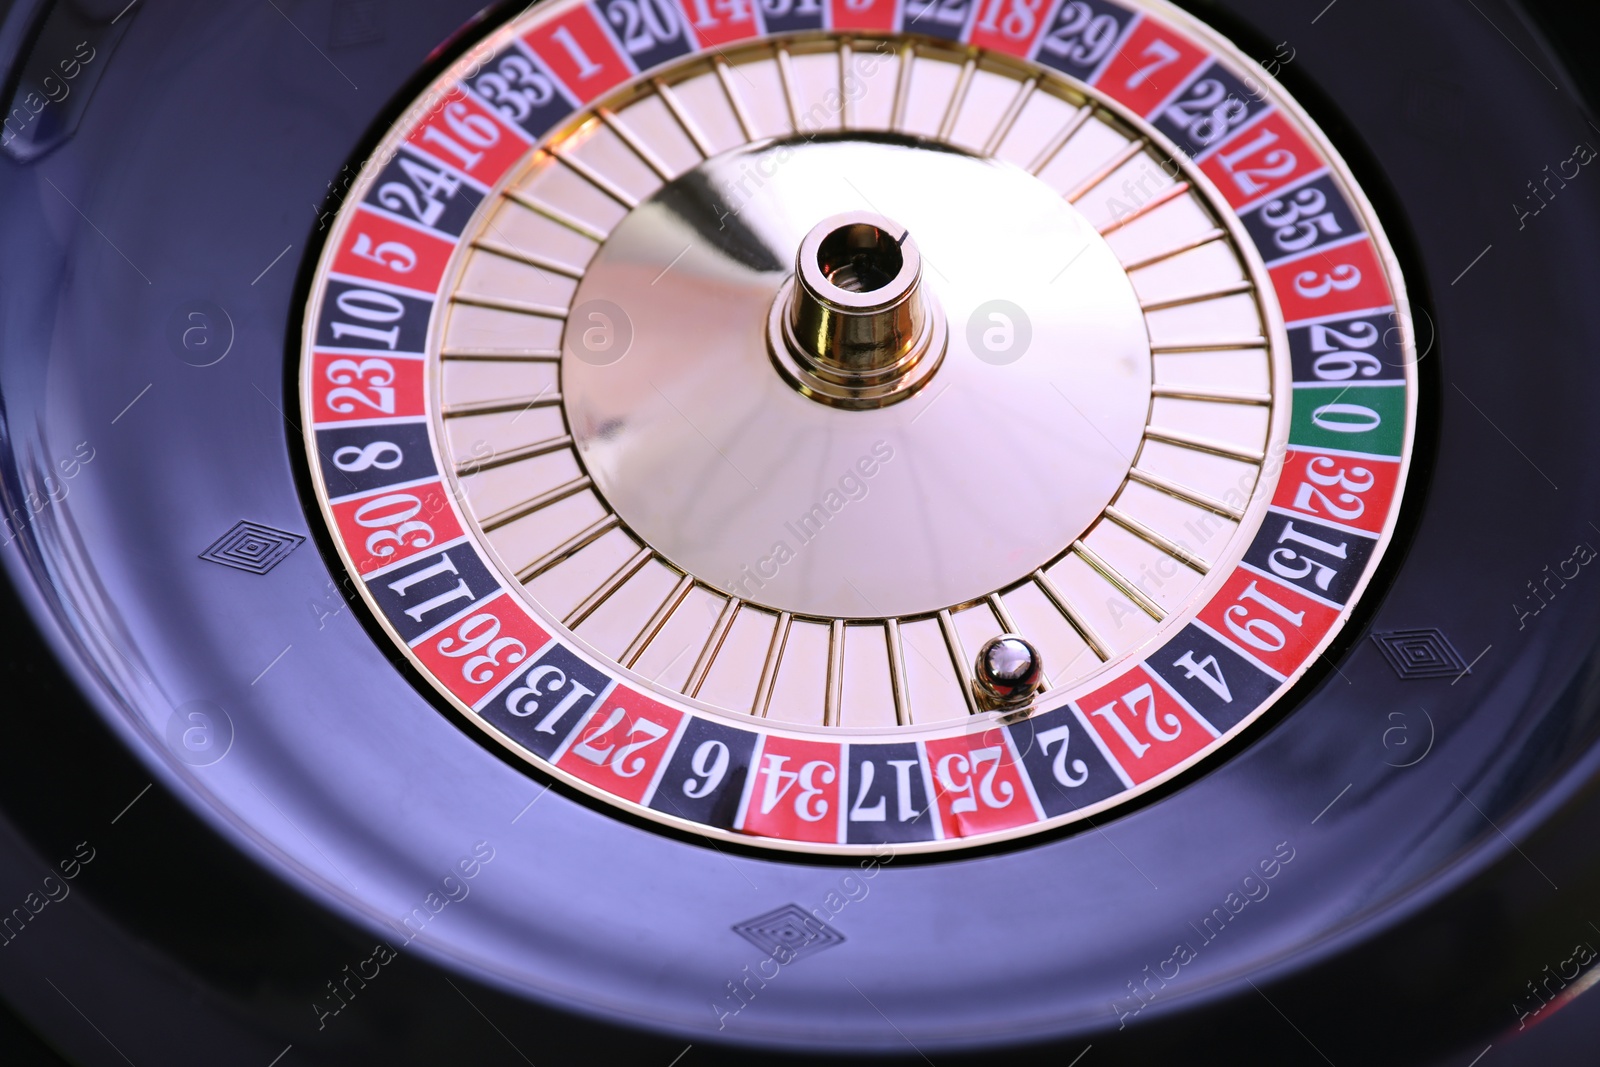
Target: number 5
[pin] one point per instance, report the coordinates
(398, 257)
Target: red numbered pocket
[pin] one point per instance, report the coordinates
(1144, 726)
(794, 790)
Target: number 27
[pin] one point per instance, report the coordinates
(588, 749)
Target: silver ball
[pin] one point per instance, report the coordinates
(1009, 670)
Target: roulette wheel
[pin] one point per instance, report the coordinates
(798, 529)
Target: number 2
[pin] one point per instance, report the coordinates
(1080, 770)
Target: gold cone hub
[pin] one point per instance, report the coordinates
(854, 327)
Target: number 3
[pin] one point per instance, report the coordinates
(1314, 286)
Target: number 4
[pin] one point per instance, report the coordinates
(1209, 671)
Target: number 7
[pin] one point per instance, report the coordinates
(1165, 54)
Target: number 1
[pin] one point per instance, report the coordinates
(587, 68)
